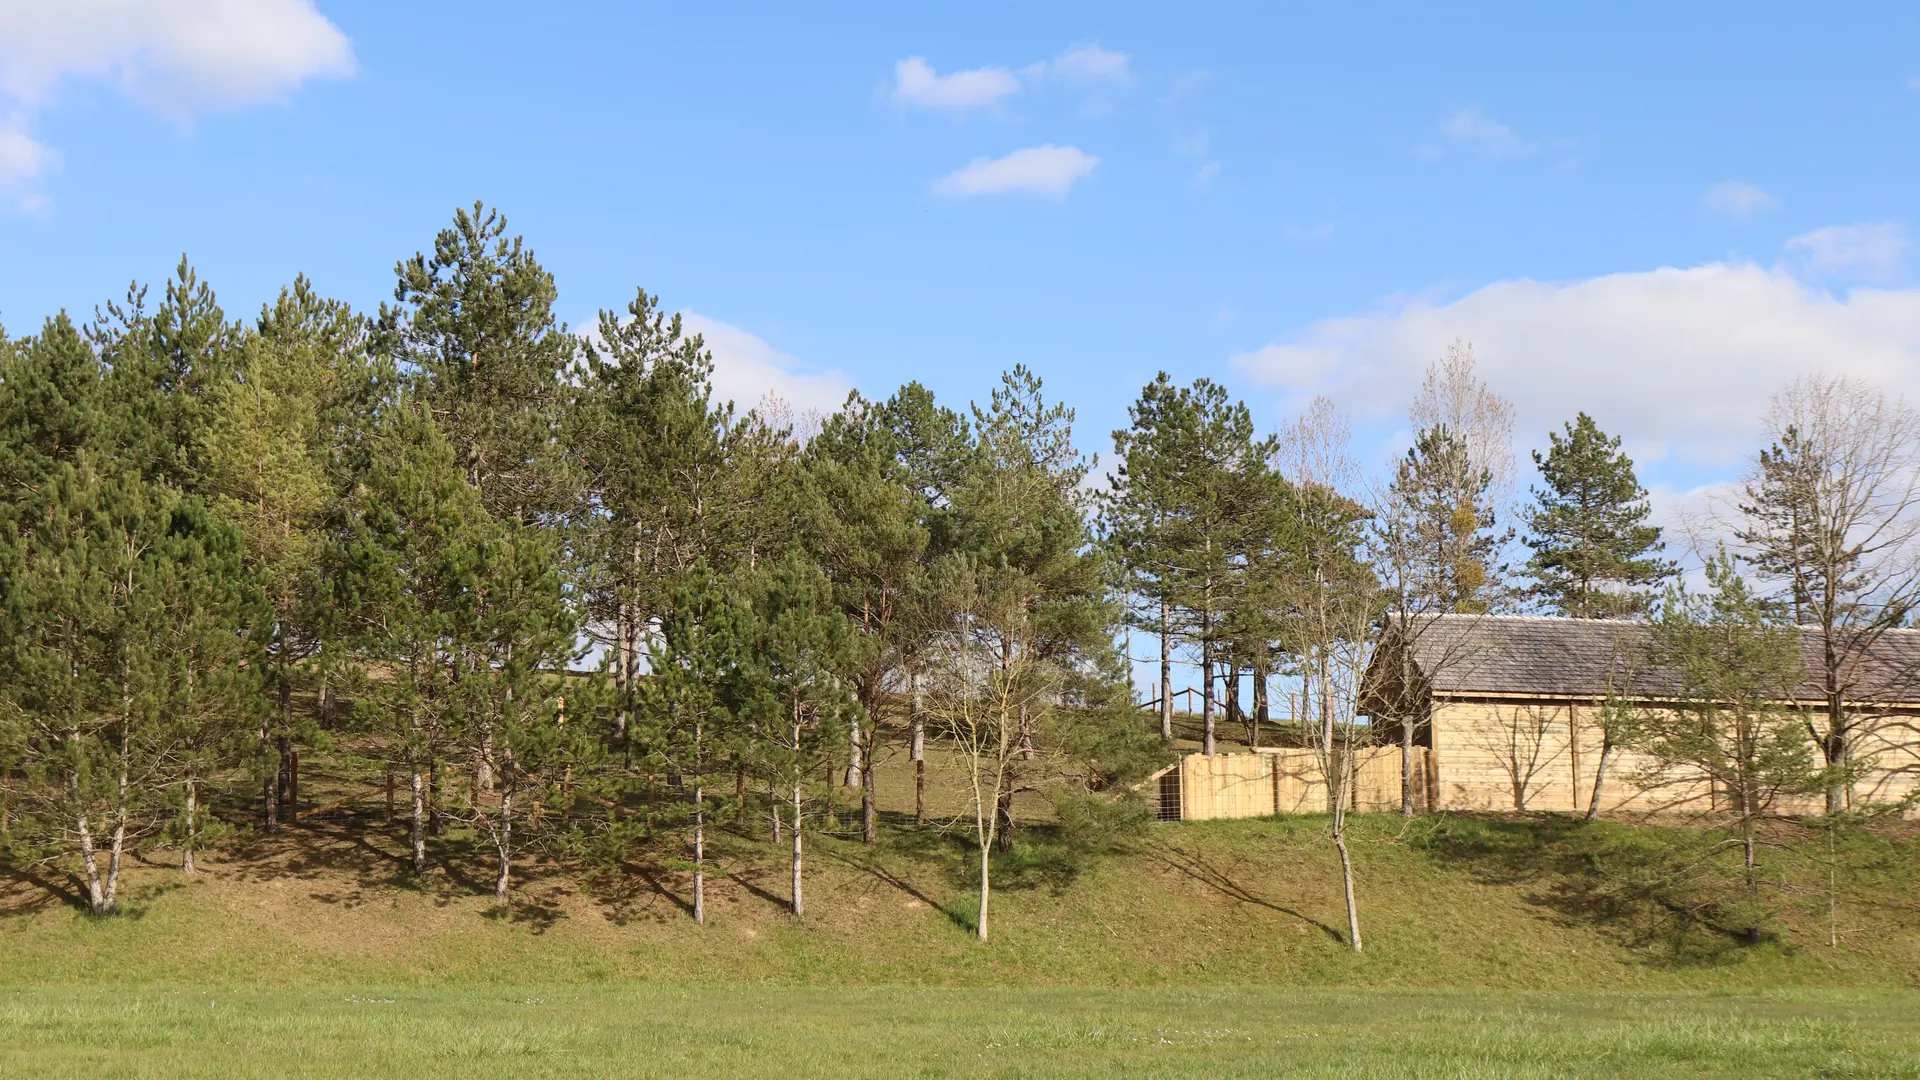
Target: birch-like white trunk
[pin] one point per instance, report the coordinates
(186, 853)
(418, 829)
(503, 884)
(699, 827)
(1599, 776)
(799, 897)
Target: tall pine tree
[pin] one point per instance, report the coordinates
(1594, 554)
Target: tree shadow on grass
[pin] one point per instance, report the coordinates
(1652, 890)
(539, 912)
(29, 891)
(1200, 868)
(871, 863)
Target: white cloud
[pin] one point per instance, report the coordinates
(1036, 170)
(746, 369)
(22, 159)
(1680, 362)
(176, 57)
(1472, 131)
(1204, 176)
(1872, 250)
(1475, 129)
(916, 84)
(1087, 62)
(173, 55)
(1738, 201)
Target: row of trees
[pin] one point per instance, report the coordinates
(410, 535)
(569, 601)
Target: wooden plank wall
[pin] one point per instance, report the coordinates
(1523, 756)
(1289, 781)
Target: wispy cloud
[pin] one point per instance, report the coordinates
(176, 57)
(1870, 250)
(1037, 170)
(1736, 200)
(1086, 62)
(1471, 130)
(1475, 129)
(917, 85)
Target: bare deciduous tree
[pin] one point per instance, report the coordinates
(1830, 515)
(1453, 396)
(1333, 609)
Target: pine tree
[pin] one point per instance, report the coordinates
(1594, 555)
(277, 459)
(203, 649)
(475, 322)
(687, 722)
(1727, 740)
(792, 691)
(1438, 532)
(867, 528)
(1023, 515)
(1221, 494)
(1142, 516)
(128, 631)
(649, 438)
(403, 573)
(49, 405)
(168, 374)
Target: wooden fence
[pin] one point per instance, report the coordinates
(1201, 787)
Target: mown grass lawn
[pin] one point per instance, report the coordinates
(796, 1033)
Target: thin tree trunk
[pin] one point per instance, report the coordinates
(1166, 670)
(418, 782)
(1206, 696)
(1834, 749)
(434, 823)
(773, 805)
(483, 769)
(1003, 811)
(1406, 767)
(699, 854)
(119, 837)
(869, 808)
(1262, 704)
(502, 885)
(1346, 877)
(986, 885)
(1599, 775)
(186, 852)
(799, 897)
(917, 750)
(96, 892)
(699, 824)
(852, 778)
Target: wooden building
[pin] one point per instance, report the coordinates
(1504, 709)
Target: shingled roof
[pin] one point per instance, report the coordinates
(1464, 655)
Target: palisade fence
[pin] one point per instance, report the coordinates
(1284, 780)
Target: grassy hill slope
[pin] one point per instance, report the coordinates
(1447, 902)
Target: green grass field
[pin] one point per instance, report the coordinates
(793, 1032)
(1496, 946)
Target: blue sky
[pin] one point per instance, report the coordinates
(1658, 215)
